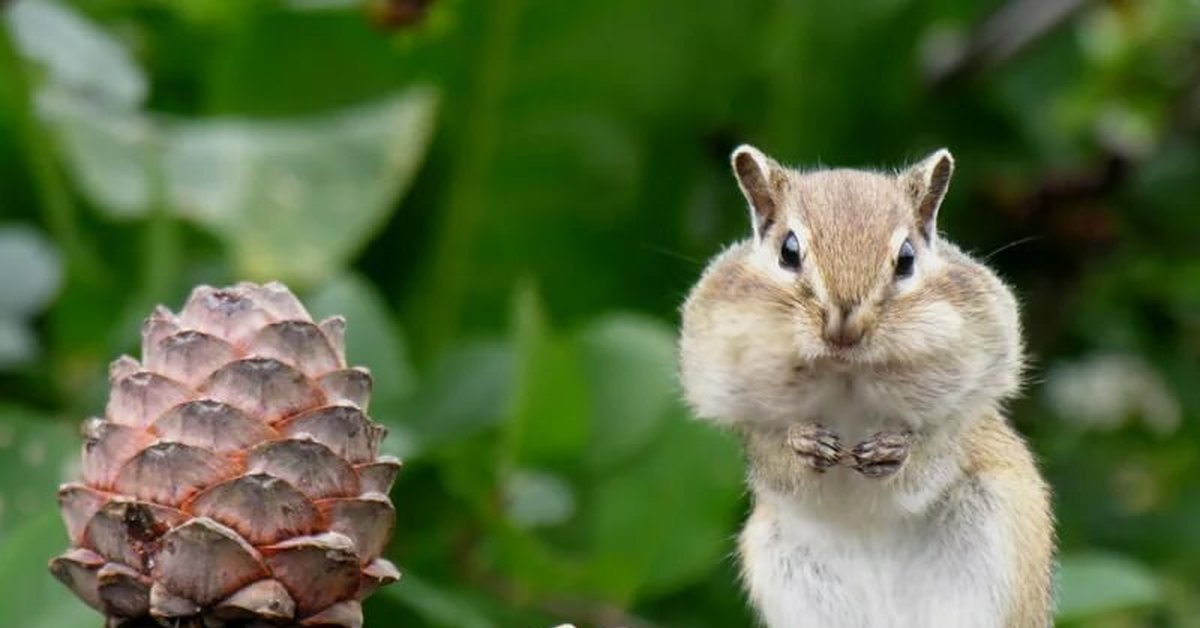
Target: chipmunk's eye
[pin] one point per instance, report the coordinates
(789, 253)
(904, 260)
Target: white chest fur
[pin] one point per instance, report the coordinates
(940, 569)
(852, 405)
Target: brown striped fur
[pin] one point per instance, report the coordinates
(1000, 459)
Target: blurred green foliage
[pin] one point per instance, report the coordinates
(509, 199)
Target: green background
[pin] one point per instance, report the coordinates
(509, 199)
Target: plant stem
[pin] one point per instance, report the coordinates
(161, 244)
(452, 260)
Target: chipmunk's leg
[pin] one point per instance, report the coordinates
(882, 455)
(816, 446)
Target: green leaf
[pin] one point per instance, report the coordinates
(653, 466)
(110, 153)
(664, 520)
(35, 456)
(29, 595)
(1094, 583)
(438, 606)
(534, 499)
(30, 271)
(76, 53)
(18, 345)
(296, 199)
(468, 390)
(548, 421)
(322, 5)
(650, 466)
(372, 339)
(268, 59)
(561, 132)
(629, 362)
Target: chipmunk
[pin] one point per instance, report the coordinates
(865, 361)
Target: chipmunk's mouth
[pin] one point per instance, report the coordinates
(835, 361)
(843, 358)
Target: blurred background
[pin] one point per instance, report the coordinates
(509, 199)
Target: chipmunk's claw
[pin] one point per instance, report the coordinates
(882, 455)
(818, 447)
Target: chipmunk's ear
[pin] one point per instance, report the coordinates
(926, 183)
(759, 177)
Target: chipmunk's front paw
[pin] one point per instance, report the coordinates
(818, 447)
(882, 455)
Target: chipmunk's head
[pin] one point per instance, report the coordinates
(844, 272)
(843, 245)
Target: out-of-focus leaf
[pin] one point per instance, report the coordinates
(29, 595)
(30, 271)
(549, 414)
(76, 53)
(372, 337)
(1103, 391)
(659, 466)
(110, 153)
(629, 362)
(18, 345)
(437, 606)
(267, 68)
(469, 389)
(616, 379)
(295, 199)
(568, 128)
(664, 519)
(535, 499)
(1094, 583)
(322, 5)
(35, 455)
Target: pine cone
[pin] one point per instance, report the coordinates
(235, 478)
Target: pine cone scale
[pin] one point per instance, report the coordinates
(212, 425)
(124, 591)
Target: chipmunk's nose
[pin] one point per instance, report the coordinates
(844, 328)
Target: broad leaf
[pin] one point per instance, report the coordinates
(18, 344)
(629, 362)
(535, 499)
(1091, 584)
(76, 53)
(295, 199)
(111, 153)
(30, 271)
(29, 595)
(548, 422)
(469, 389)
(373, 340)
(664, 520)
(437, 606)
(36, 455)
